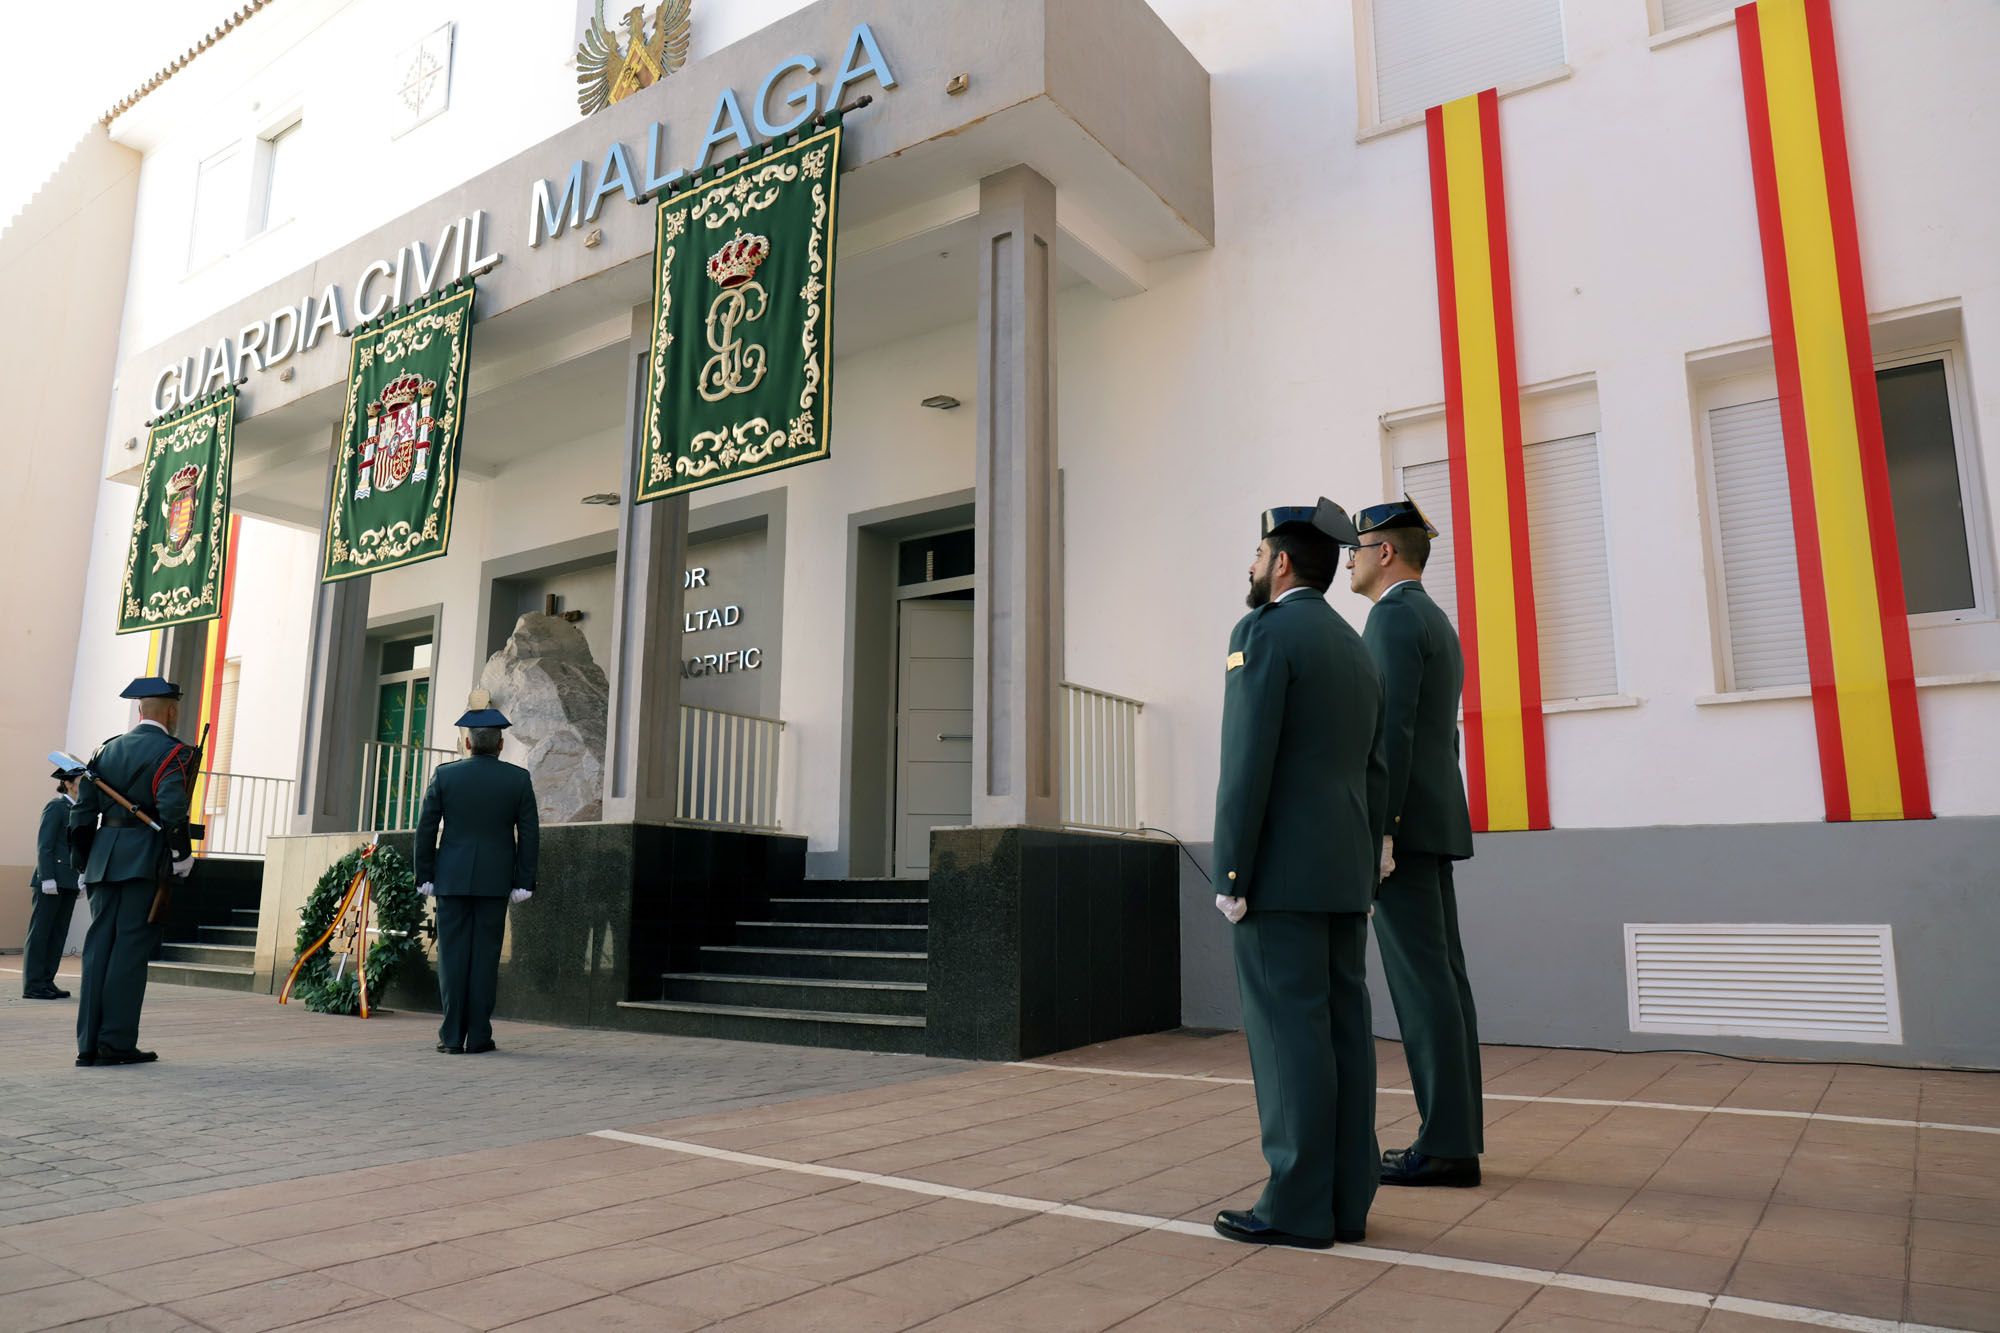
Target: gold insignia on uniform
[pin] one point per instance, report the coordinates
(1235, 660)
(606, 74)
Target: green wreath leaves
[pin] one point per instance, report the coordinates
(395, 918)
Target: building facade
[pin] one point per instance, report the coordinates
(1169, 264)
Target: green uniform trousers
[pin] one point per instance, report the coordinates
(115, 952)
(48, 927)
(1302, 977)
(469, 930)
(1416, 925)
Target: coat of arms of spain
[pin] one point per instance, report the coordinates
(398, 447)
(607, 74)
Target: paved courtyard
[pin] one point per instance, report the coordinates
(280, 1169)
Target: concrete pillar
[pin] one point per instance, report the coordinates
(642, 732)
(182, 650)
(327, 798)
(1017, 629)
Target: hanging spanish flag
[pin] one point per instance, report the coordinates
(1505, 763)
(1871, 749)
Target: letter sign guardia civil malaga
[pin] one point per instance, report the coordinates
(741, 369)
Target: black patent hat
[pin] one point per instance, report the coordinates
(1325, 518)
(1401, 513)
(151, 687)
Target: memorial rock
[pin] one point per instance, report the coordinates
(557, 697)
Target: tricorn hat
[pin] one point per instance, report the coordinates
(1326, 518)
(1401, 513)
(151, 687)
(483, 717)
(66, 774)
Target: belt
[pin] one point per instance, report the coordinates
(120, 819)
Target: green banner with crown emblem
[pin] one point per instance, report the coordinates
(397, 475)
(741, 367)
(179, 549)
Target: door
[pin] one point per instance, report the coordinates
(933, 727)
(402, 731)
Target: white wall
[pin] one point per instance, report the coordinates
(1257, 373)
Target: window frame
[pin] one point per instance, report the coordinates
(1662, 35)
(1559, 410)
(1367, 99)
(222, 157)
(258, 220)
(1760, 384)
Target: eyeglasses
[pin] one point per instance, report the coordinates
(1359, 547)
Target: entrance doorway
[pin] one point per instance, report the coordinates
(932, 780)
(402, 721)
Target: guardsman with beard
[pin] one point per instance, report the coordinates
(1426, 828)
(1295, 857)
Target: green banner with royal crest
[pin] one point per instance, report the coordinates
(179, 551)
(397, 475)
(741, 367)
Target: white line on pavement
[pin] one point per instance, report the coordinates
(1555, 1101)
(1797, 1314)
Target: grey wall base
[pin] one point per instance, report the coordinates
(1047, 939)
(1543, 918)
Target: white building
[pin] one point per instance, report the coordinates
(1244, 314)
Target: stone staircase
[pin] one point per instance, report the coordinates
(825, 963)
(221, 957)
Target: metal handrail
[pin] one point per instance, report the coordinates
(729, 769)
(241, 812)
(1099, 787)
(393, 778)
(1104, 694)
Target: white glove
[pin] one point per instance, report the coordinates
(518, 895)
(1233, 908)
(184, 867)
(48, 886)
(427, 888)
(1388, 857)
(81, 883)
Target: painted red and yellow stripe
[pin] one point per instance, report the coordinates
(215, 653)
(1506, 763)
(1871, 749)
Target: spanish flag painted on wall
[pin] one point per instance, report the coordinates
(1506, 765)
(1871, 749)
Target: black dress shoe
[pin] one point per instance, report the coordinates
(449, 1050)
(107, 1055)
(45, 993)
(1407, 1166)
(85, 1059)
(1252, 1230)
(1350, 1237)
(481, 1049)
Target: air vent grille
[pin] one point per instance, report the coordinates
(1818, 983)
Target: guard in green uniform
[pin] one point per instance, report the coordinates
(484, 859)
(1426, 828)
(53, 886)
(120, 861)
(1295, 856)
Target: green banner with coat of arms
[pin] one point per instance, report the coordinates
(397, 474)
(741, 368)
(179, 550)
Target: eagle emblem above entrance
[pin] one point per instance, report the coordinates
(608, 70)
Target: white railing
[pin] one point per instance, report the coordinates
(393, 778)
(241, 812)
(729, 769)
(1100, 759)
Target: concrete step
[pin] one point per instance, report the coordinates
(860, 888)
(820, 994)
(838, 964)
(245, 916)
(212, 955)
(792, 1027)
(201, 974)
(241, 936)
(809, 934)
(854, 911)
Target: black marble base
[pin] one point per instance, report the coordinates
(615, 906)
(1047, 939)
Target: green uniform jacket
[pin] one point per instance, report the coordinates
(1416, 651)
(1296, 808)
(52, 848)
(143, 765)
(492, 831)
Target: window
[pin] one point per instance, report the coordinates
(1669, 15)
(218, 207)
(1429, 51)
(1940, 536)
(281, 177)
(1574, 623)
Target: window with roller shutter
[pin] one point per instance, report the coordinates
(1425, 52)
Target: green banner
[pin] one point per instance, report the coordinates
(179, 550)
(742, 352)
(397, 474)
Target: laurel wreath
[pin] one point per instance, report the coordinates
(396, 916)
